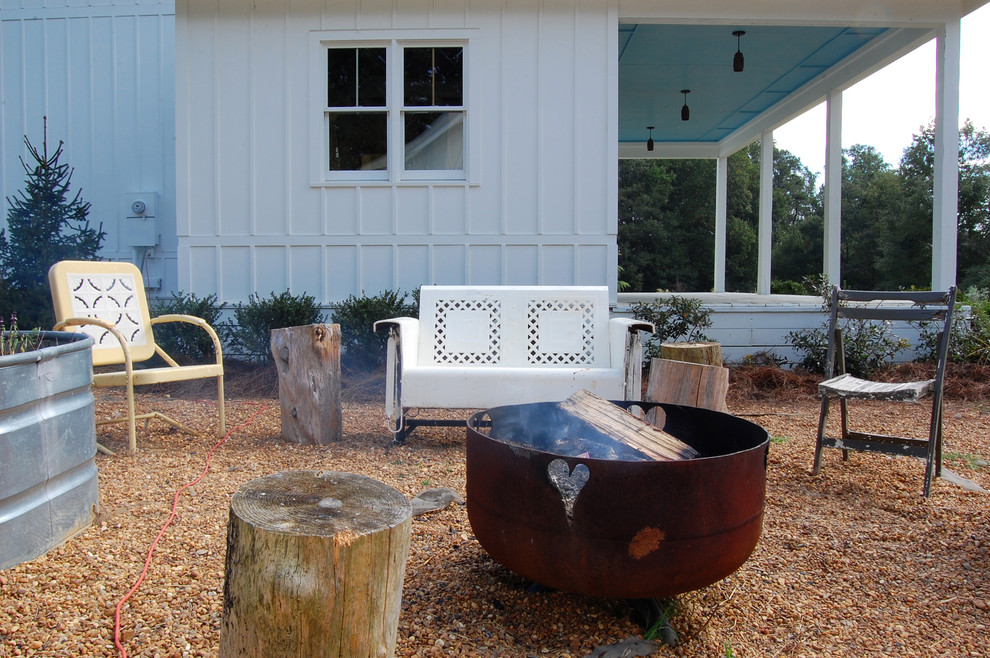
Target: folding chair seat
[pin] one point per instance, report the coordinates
(107, 301)
(884, 306)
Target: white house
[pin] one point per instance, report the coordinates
(340, 147)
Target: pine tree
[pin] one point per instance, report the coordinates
(44, 226)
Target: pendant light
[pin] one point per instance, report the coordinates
(649, 142)
(737, 60)
(685, 111)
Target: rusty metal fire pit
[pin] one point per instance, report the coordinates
(615, 527)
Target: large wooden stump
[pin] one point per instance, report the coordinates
(308, 362)
(689, 374)
(315, 564)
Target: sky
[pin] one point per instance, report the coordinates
(888, 108)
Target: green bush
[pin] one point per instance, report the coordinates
(362, 347)
(869, 345)
(182, 341)
(674, 318)
(249, 333)
(969, 338)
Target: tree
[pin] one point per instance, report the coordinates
(917, 166)
(871, 200)
(44, 227)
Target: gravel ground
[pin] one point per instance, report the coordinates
(851, 563)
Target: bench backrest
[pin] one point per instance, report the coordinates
(514, 326)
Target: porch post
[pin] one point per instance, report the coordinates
(945, 209)
(721, 212)
(831, 258)
(764, 233)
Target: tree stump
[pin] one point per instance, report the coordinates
(691, 384)
(709, 354)
(308, 362)
(315, 564)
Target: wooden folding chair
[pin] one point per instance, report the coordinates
(107, 301)
(872, 305)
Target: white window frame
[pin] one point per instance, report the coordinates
(393, 42)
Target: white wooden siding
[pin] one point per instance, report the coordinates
(535, 209)
(104, 76)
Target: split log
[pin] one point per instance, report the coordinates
(709, 354)
(617, 423)
(691, 384)
(315, 564)
(308, 363)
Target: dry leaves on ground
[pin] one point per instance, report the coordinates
(851, 563)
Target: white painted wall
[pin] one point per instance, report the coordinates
(103, 75)
(538, 208)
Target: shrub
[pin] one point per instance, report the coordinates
(869, 345)
(363, 348)
(674, 318)
(249, 334)
(183, 341)
(969, 336)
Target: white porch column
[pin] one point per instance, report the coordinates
(831, 258)
(721, 213)
(945, 209)
(764, 235)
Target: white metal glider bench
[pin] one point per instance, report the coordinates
(107, 301)
(476, 347)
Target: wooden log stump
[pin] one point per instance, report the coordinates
(308, 362)
(315, 564)
(709, 354)
(691, 384)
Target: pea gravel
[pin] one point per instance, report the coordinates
(851, 563)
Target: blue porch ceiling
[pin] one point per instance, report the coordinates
(656, 61)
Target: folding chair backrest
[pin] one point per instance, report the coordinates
(913, 306)
(109, 291)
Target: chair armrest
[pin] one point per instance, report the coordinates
(406, 334)
(618, 332)
(103, 324)
(188, 319)
(626, 347)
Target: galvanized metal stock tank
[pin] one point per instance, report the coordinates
(613, 528)
(48, 476)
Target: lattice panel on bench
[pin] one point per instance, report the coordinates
(109, 297)
(468, 331)
(561, 331)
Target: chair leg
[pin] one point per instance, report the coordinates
(131, 419)
(844, 413)
(220, 403)
(822, 416)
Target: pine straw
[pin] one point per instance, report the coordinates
(853, 562)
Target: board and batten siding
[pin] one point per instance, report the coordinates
(539, 202)
(102, 72)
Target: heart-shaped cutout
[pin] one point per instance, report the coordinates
(568, 483)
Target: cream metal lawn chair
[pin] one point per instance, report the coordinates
(107, 301)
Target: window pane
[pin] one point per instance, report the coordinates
(358, 141)
(434, 140)
(418, 76)
(448, 81)
(356, 77)
(341, 79)
(433, 76)
(371, 77)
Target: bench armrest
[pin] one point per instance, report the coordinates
(402, 352)
(626, 352)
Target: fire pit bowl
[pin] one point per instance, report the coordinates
(615, 528)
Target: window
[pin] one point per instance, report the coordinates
(394, 111)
